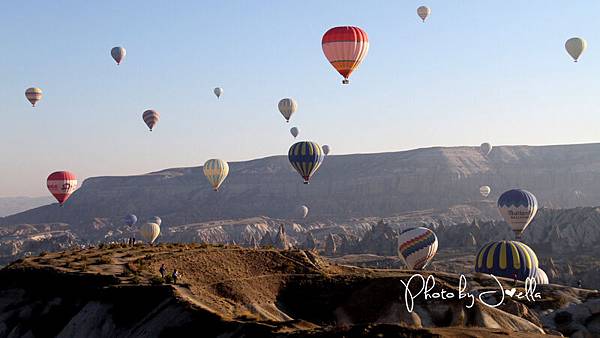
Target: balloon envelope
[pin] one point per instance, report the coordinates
(33, 95)
(130, 220)
(306, 157)
(287, 106)
(541, 278)
(345, 48)
(423, 12)
(294, 131)
(218, 91)
(507, 259)
(155, 219)
(151, 118)
(216, 171)
(417, 246)
(303, 211)
(149, 232)
(575, 47)
(326, 149)
(485, 190)
(61, 185)
(518, 208)
(485, 148)
(118, 54)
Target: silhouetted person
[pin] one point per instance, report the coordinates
(162, 271)
(515, 279)
(579, 283)
(175, 275)
(133, 241)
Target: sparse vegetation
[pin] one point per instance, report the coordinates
(157, 280)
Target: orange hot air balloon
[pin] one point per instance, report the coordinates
(345, 48)
(61, 185)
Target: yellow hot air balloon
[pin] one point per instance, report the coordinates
(216, 171)
(575, 47)
(33, 95)
(150, 232)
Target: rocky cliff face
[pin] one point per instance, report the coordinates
(346, 186)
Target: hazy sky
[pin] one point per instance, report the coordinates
(476, 71)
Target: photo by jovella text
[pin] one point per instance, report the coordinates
(490, 298)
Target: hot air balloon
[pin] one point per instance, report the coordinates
(507, 259)
(518, 208)
(61, 185)
(417, 246)
(130, 220)
(216, 171)
(287, 107)
(33, 95)
(294, 131)
(345, 48)
(151, 118)
(485, 148)
(118, 53)
(218, 91)
(485, 190)
(149, 232)
(326, 149)
(423, 12)
(303, 211)
(155, 219)
(306, 157)
(540, 276)
(575, 47)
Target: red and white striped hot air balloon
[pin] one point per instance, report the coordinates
(345, 48)
(151, 118)
(61, 185)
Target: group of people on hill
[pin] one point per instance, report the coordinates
(174, 276)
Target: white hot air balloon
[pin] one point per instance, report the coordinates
(485, 190)
(287, 107)
(33, 95)
(294, 131)
(485, 148)
(118, 54)
(149, 232)
(326, 149)
(575, 47)
(417, 246)
(423, 12)
(540, 277)
(218, 92)
(303, 211)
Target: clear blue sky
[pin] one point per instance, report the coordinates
(475, 71)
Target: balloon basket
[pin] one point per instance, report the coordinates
(345, 81)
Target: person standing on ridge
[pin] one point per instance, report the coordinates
(175, 275)
(162, 271)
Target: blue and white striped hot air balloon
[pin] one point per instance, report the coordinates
(518, 207)
(417, 246)
(306, 157)
(509, 259)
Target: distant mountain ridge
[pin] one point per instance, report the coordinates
(357, 185)
(13, 205)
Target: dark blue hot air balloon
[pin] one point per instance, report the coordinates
(306, 157)
(509, 259)
(130, 220)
